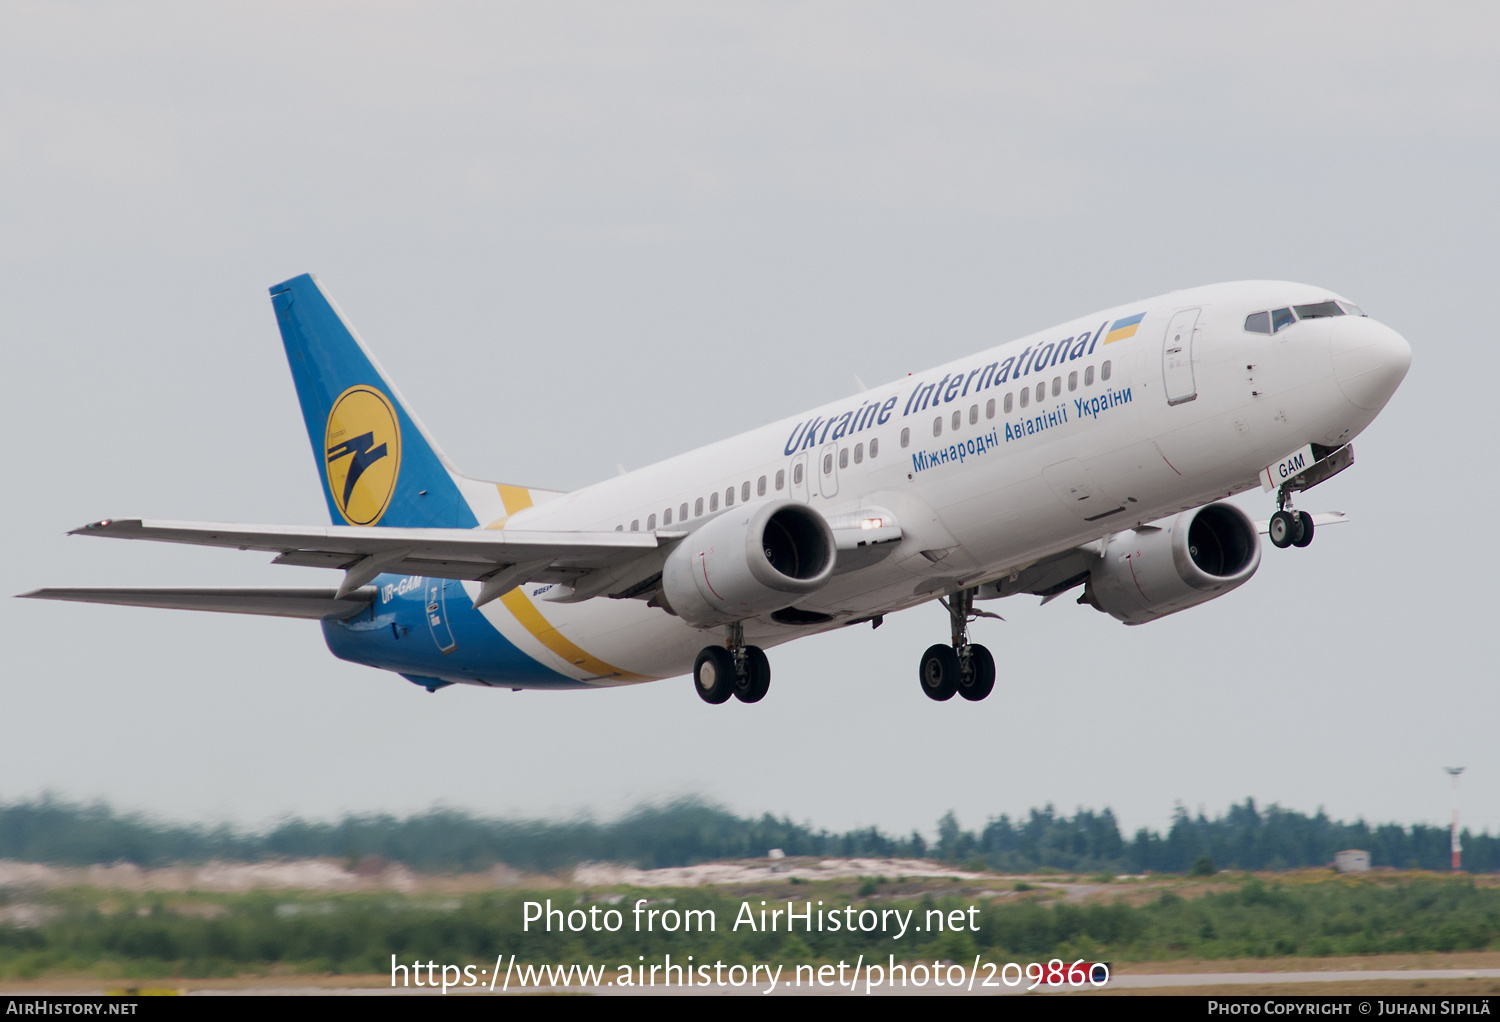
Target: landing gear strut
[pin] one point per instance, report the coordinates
(964, 667)
(733, 669)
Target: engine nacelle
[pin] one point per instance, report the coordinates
(754, 559)
(1174, 564)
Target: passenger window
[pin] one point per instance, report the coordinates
(729, 497)
(780, 478)
(1088, 377)
(989, 409)
(1258, 322)
(1281, 318)
(1073, 380)
(973, 414)
(937, 426)
(713, 501)
(698, 507)
(619, 528)
(1041, 392)
(1025, 396)
(635, 525)
(745, 489)
(1056, 385)
(828, 464)
(958, 418)
(682, 512)
(760, 486)
(1010, 403)
(1104, 371)
(650, 523)
(875, 444)
(844, 458)
(797, 475)
(905, 441)
(859, 453)
(666, 517)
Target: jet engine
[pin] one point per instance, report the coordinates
(1175, 563)
(757, 558)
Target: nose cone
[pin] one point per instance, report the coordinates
(1369, 360)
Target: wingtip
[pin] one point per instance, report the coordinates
(101, 526)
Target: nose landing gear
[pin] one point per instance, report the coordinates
(732, 670)
(1288, 526)
(965, 668)
(1291, 528)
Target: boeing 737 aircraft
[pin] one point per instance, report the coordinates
(1094, 454)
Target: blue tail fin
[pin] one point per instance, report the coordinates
(377, 463)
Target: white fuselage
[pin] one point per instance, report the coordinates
(981, 486)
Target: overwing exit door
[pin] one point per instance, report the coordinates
(1177, 357)
(828, 471)
(800, 483)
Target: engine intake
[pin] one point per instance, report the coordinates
(1173, 564)
(755, 559)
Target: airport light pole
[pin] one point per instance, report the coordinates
(1453, 832)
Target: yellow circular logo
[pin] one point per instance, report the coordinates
(362, 448)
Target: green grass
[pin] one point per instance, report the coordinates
(117, 934)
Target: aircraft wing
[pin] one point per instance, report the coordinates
(499, 558)
(272, 602)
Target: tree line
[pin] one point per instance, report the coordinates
(690, 831)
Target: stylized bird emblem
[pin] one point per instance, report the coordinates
(365, 455)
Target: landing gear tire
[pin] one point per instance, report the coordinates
(939, 672)
(1284, 529)
(979, 680)
(1305, 534)
(714, 674)
(753, 686)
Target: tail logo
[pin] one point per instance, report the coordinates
(362, 448)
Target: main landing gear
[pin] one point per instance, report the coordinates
(964, 667)
(732, 670)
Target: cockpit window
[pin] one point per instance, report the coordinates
(1351, 308)
(1258, 322)
(1281, 318)
(1319, 311)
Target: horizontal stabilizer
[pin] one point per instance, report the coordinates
(464, 554)
(304, 603)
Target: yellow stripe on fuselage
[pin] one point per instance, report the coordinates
(524, 611)
(518, 498)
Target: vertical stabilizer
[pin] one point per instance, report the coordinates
(377, 464)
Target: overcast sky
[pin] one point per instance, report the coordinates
(582, 235)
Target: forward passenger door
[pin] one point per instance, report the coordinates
(1177, 357)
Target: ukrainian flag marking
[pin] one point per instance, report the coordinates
(1124, 328)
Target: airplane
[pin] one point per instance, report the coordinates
(1093, 455)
